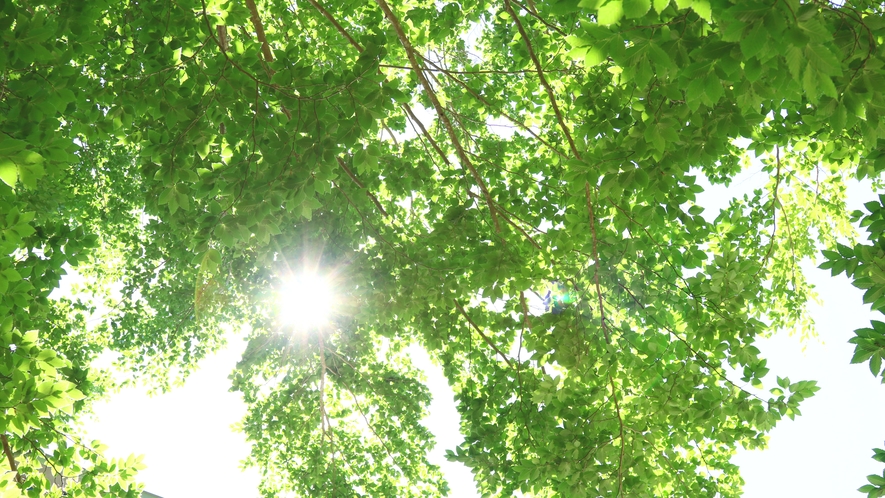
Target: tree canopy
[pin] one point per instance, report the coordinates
(440, 163)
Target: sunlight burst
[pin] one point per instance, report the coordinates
(305, 301)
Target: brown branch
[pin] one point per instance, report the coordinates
(259, 32)
(534, 13)
(11, 458)
(478, 71)
(440, 111)
(389, 132)
(335, 23)
(544, 83)
(223, 41)
(482, 334)
(491, 106)
(525, 234)
(596, 262)
(265, 47)
(413, 118)
(408, 110)
(360, 185)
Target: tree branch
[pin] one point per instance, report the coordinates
(490, 106)
(482, 334)
(544, 83)
(325, 13)
(408, 110)
(360, 185)
(259, 32)
(611, 381)
(265, 47)
(11, 458)
(596, 262)
(440, 111)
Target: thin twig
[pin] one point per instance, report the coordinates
(611, 381)
(774, 204)
(482, 334)
(323, 368)
(360, 185)
(409, 113)
(478, 71)
(534, 13)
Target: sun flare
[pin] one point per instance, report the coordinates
(305, 301)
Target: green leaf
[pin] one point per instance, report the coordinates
(636, 8)
(210, 261)
(809, 84)
(822, 59)
(8, 172)
(30, 337)
(610, 13)
(876, 480)
(876, 364)
(754, 42)
(703, 9)
(713, 88)
(11, 275)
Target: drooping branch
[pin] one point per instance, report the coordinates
(595, 256)
(440, 111)
(360, 185)
(774, 207)
(11, 458)
(414, 119)
(325, 13)
(482, 334)
(544, 82)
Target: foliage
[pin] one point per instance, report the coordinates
(876, 487)
(184, 156)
